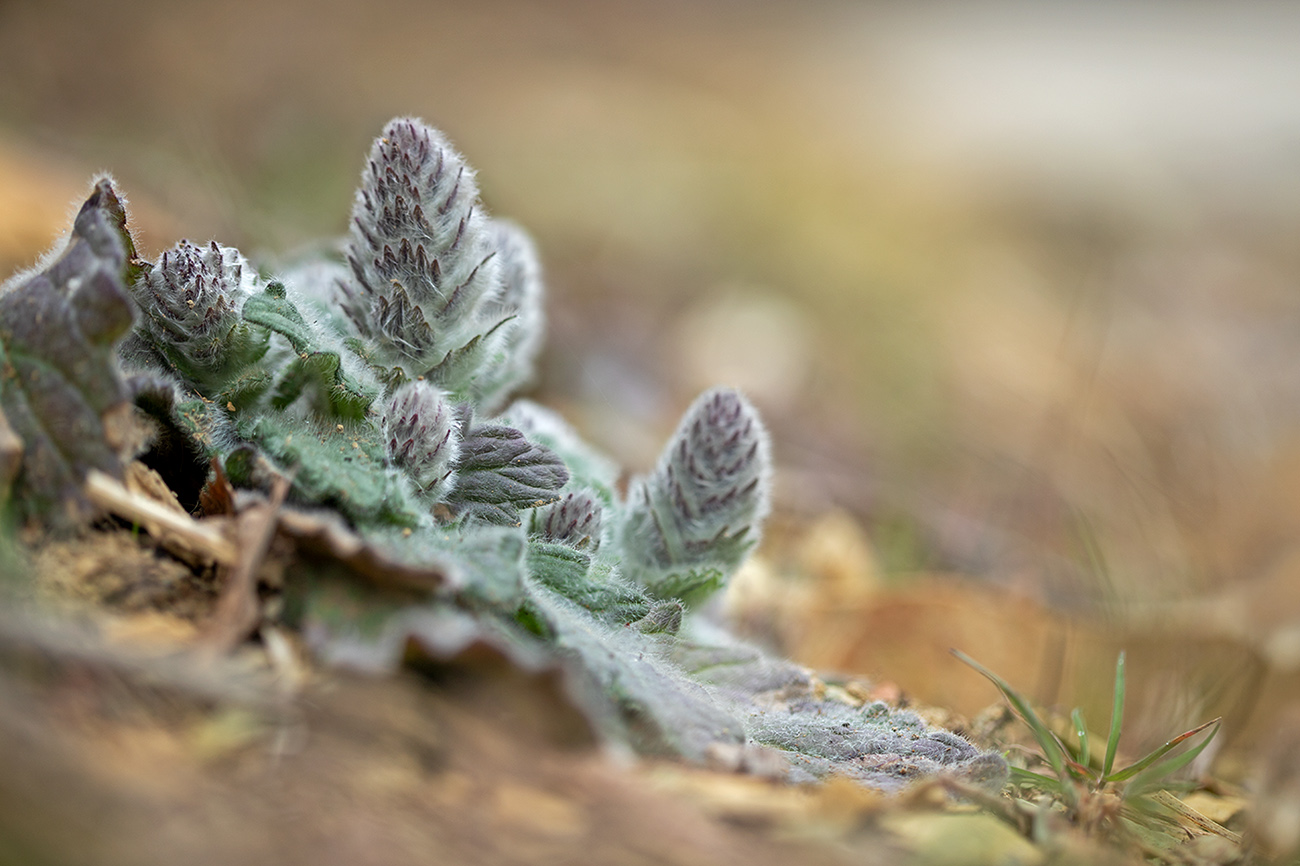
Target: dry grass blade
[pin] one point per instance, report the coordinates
(1189, 816)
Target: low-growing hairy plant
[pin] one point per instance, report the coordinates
(370, 389)
(1083, 779)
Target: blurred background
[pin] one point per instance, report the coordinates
(1016, 285)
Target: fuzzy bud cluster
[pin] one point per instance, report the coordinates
(422, 436)
(378, 429)
(574, 520)
(704, 503)
(437, 288)
(191, 299)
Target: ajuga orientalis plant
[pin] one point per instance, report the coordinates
(375, 383)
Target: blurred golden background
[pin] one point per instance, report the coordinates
(1015, 284)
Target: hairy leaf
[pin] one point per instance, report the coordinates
(664, 617)
(519, 307)
(589, 469)
(592, 586)
(60, 388)
(649, 702)
(318, 370)
(875, 745)
(370, 623)
(501, 472)
(343, 469)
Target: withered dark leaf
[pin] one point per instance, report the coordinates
(60, 387)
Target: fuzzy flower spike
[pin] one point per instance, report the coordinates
(690, 523)
(437, 288)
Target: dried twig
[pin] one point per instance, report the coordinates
(238, 613)
(203, 537)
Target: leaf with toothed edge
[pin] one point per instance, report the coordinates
(589, 469)
(500, 472)
(591, 585)
(459, 370)
(342, 469)
(690, 586)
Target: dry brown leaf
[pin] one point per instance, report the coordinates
(238, 611)
(327, 534)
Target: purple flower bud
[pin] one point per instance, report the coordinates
(421, 435)
(437, 287)
(574, 520)
(191, 300)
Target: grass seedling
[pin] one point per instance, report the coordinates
(1086, 786)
